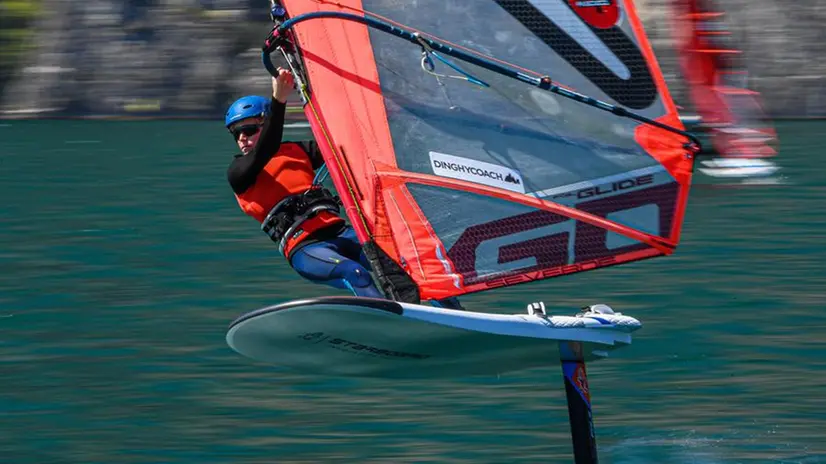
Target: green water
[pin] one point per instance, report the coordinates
(123, 257)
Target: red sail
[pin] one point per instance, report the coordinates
(468, 187)
(718, 82)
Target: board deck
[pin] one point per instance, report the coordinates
(353, 336)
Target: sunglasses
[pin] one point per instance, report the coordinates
(248, 129)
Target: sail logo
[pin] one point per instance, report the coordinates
(542, 244)
(603, 14)
(580, 379)
(591, 38)
(511, 179)
(480, 172)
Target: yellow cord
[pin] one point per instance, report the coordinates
(335, 154)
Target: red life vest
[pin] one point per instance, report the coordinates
(289, 172)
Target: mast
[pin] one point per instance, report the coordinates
(578, 395)
(577, 392)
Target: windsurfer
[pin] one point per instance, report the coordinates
(273, 182)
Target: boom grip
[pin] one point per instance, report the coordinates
(543, 83)
(265, 57)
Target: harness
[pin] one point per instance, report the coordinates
(286, 217)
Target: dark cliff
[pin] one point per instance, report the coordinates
(190, 58)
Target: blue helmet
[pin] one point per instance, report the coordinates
(247, 107)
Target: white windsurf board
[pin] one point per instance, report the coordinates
(353, 336)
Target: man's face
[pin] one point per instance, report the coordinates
(246, 133)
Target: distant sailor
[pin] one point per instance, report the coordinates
(274, 183)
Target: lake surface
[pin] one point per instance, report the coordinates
(123, 257)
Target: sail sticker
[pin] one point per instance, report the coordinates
(575, 23)
(492, 175)
(575, 373)
(607, 57)
(602, 14)
(606, 185)
(580, 379)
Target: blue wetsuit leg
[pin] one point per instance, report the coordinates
(341, 263)
(338, 262)
(449, 303)
(350, 247)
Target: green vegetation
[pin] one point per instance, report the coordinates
(16, 17)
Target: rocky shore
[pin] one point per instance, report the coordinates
(190, 58)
